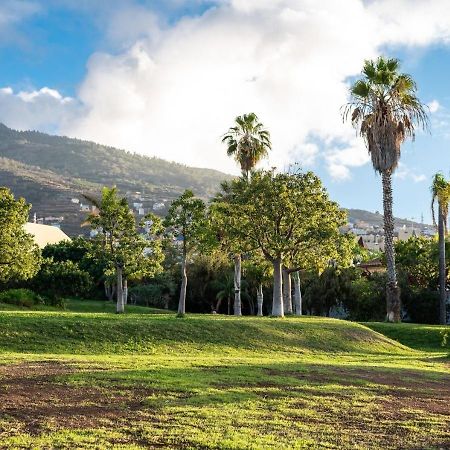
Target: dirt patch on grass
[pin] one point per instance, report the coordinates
(32, 396)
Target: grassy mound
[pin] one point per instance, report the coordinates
(427, 338)
(101, 333)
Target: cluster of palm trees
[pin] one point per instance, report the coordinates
(385, 111)
(440, 191)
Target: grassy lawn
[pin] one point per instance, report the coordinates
(77, 379)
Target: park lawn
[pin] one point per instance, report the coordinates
(98, 380)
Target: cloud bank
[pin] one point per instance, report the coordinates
(172, 90)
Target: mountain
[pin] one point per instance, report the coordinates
(361, 215)
(52, 172)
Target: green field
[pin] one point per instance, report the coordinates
(79, 379)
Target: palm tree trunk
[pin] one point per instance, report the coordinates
(259, 300)
(182, 301)
(237, 285)
(442, 268)
(287, 291)
(297, 295)
(120, 308)
(392, 289)
(277, 302)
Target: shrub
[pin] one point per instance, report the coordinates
(58, 279)
(20, 297)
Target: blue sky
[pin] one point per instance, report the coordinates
(166, 78)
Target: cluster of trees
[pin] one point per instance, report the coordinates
(272, 227)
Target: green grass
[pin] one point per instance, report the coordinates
(77, 379)
(91, 306)
(428, 338)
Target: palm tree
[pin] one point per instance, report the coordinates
(440, 191)
(386, 111)
(249, 143)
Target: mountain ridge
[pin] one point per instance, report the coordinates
(51, 172)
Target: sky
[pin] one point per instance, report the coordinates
(167, 78)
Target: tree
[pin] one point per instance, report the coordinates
(386, 111)
(440, 190)
(248, 142)
(20, 258)
(126, 251)
(186, 222)
(258, 273)
(279, 212)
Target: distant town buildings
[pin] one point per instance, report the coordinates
(371, 237)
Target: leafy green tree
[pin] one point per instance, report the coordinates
(20, 258)
(440, 190)
(278, 212)
(417, 258)
(127, 252)
(186, 224)
(248, 142)
(59, 279)
(385, 110)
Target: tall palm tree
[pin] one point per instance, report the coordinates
(440, 191)
(386, 111)
(248, 142)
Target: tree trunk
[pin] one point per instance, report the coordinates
(237, 286)
(259, 300)
(125, 291)
(120, 308)
(219, 302)
(287, 291)
(229, 305)
(392, 290)
(442, 268)
(182, 301)
(110, 290)
(297, 294)
(277, 302)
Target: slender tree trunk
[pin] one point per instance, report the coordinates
(219, 302)
(259, 300)
(442, 269)
(120, 308)
(392, 289)
(182, 301)
(287, 291)
(237, 286)
(125, 291)
(297, 295)
(229, 305)
(277, 302)
(110, 290)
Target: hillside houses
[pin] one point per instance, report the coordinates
(371, 237)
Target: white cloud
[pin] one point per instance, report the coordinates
(339, 160)
(174, 90)
(433, 106)
(405, 173)
(45, 109)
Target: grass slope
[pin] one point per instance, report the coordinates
(97, 380)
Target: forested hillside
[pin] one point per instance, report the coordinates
(49, 171)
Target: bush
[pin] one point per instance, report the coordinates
(367, 299)
(421, 305)
(149, 295)
(20, 297)
(61, 279)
